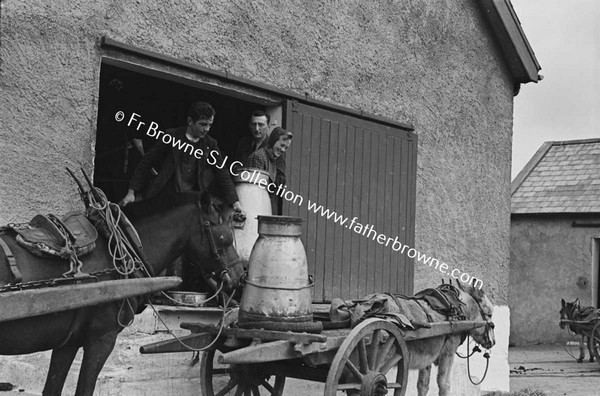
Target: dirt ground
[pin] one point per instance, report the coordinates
(547, 369)
(550, 369)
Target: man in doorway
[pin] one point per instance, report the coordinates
(180, 171)
(259, 132)
(259, 135)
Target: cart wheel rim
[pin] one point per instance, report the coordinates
(238, 379)
(369, 352)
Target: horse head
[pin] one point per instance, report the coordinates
(568, 311)
(227, 266)
(478, 307)
(189, 224)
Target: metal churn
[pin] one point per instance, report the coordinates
(277, 286)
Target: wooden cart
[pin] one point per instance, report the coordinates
(367, 360)
(589, 328)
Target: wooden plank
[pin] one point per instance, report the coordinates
(280, 350)
(356, 239)
(271, 335)
(372, 219)
(261, 353)
(402, 219)
(379, 215)
(304, 187)
(395, 213)
(322, 222)
(339, 203)
(195, 341)
(411, 212)
(387, 209)
(349, 270)
(365, 259)
(312, 193)
(442, 328)
(332, 255)
(27, 303)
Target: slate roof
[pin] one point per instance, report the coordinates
(562, 177)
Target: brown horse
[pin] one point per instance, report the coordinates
(172, 229)
(574, 311)
(440, 350)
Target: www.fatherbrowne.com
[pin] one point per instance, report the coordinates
(366, 231)
(370, 232)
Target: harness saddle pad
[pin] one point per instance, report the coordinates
(47, 235)
(443, 299)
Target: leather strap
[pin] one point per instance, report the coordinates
(11, 261)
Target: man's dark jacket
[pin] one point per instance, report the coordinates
(166, 158)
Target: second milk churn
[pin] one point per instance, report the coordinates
(255, 201)
(278, 288)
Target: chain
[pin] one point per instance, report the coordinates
(54, 282)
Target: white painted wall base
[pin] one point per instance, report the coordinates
(497, 377)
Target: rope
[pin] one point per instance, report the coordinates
(486, 355)
(124, 257)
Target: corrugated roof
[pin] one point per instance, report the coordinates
(562, 177)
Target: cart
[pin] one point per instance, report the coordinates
(369, 359)
(27, 303)
(588, 328)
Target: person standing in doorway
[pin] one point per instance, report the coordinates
(180, 171)
(258, 139)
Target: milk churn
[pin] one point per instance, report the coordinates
(255, 201)
(278, 288)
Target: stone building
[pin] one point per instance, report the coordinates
(555, 238)
(357, 81)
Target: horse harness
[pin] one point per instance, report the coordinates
(444, 299)
(68, 238)
(220, 238)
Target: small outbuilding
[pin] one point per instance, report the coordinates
(555, 238)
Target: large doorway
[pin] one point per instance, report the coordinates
(359, 167)
(154, 99)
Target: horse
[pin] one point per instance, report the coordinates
(440, 350)
(574, 311)
(167, 229)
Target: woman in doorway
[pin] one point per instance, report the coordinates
(266, 159)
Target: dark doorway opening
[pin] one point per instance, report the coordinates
(164, 102)
(154, 99)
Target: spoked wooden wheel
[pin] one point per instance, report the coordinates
(595, 341)
(372, 349)
(236, 380)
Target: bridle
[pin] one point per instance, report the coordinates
(221, 273)
(489, 325)
(572, 311)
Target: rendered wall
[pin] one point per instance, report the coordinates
(430, 63)
(548, 257)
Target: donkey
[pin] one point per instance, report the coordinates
(176, 226)
(574, 311)
(440, 350)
